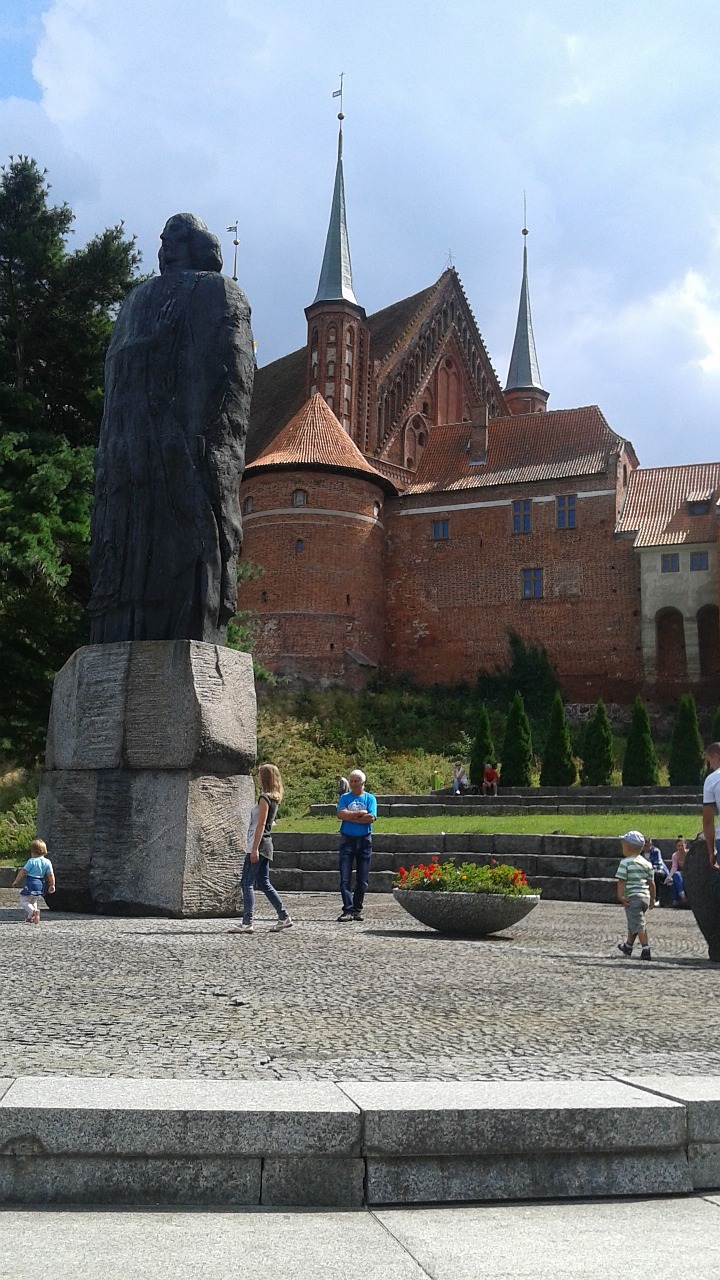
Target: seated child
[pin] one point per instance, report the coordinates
(38, 877)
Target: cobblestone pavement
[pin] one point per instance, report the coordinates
(386, 999)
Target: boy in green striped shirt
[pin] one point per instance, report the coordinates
(636, 891)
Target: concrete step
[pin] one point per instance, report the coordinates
(470, 806)
(563, 887)
(293, 847)
(113, 1141)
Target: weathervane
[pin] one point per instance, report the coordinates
(236, 242)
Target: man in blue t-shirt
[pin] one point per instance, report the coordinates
(357, 810)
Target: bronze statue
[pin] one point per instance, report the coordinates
(166, 522)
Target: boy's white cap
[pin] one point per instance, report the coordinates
(633, 837)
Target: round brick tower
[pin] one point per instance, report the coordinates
(313, 522)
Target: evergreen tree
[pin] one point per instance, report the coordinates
(687, 756)
(715, 727)
(483, 747)
(517, 752)
(558, 766)
(55, 321)
(640, 766)
(598, 752)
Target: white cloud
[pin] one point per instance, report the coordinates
(604, 115)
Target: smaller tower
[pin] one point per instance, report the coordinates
(337, 348)
(524, 391)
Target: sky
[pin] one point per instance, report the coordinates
(604, 117)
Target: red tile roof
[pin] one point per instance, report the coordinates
(521, 449)
(656, 504)
(315, 439)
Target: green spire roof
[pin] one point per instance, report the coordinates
(524, 372)
(336, 275)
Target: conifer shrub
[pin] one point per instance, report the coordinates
(598, 753)
(529, 672)
(640, 765)
(483, 747)
(687, 756)
(558, 766)
(517, 752)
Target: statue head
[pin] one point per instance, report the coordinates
(187, 245)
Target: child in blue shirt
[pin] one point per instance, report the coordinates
(38, 877)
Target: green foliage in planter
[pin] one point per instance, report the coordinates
(483, 747)
(687, 756)
(517, 752)
(438, 877)
(598, 750)
(640, 766)
(558, 765)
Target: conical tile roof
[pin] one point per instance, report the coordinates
(314, 438)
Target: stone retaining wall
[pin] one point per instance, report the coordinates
(284, 1144)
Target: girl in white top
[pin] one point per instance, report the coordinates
(259, 855)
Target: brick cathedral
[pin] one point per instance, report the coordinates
(407, 510)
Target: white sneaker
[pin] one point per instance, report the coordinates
(284, 923)
(243, 928)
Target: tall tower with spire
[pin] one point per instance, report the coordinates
(524, 391)
(337, 347)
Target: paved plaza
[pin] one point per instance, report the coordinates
(382, 1000)
(675, 1238)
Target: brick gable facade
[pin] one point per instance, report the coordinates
(408, 513)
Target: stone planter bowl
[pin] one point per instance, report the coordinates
(469, 914)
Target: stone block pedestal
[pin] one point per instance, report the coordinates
(145, 799)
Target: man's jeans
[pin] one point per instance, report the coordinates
(356, 849)
(256, 875)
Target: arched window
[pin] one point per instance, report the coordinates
(625, 476)
(299, 546)
(263, 597)
(332, 333)
(247, 506)
(670, 645)
(331, 368)
(299, 498)
(376, 510)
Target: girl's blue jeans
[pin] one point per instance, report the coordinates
(256, 875)
(678, 886)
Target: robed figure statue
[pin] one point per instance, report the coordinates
(166, 523)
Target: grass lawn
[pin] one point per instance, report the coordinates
(600, 824)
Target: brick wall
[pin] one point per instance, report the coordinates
(450, 602)
(317, 601)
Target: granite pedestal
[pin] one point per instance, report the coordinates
(146, 794)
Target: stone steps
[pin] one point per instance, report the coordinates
(562, 868)
(474, 806)
(114, 1141)
(516, 801)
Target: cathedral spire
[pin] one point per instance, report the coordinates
(336, 275)
(524, 391)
